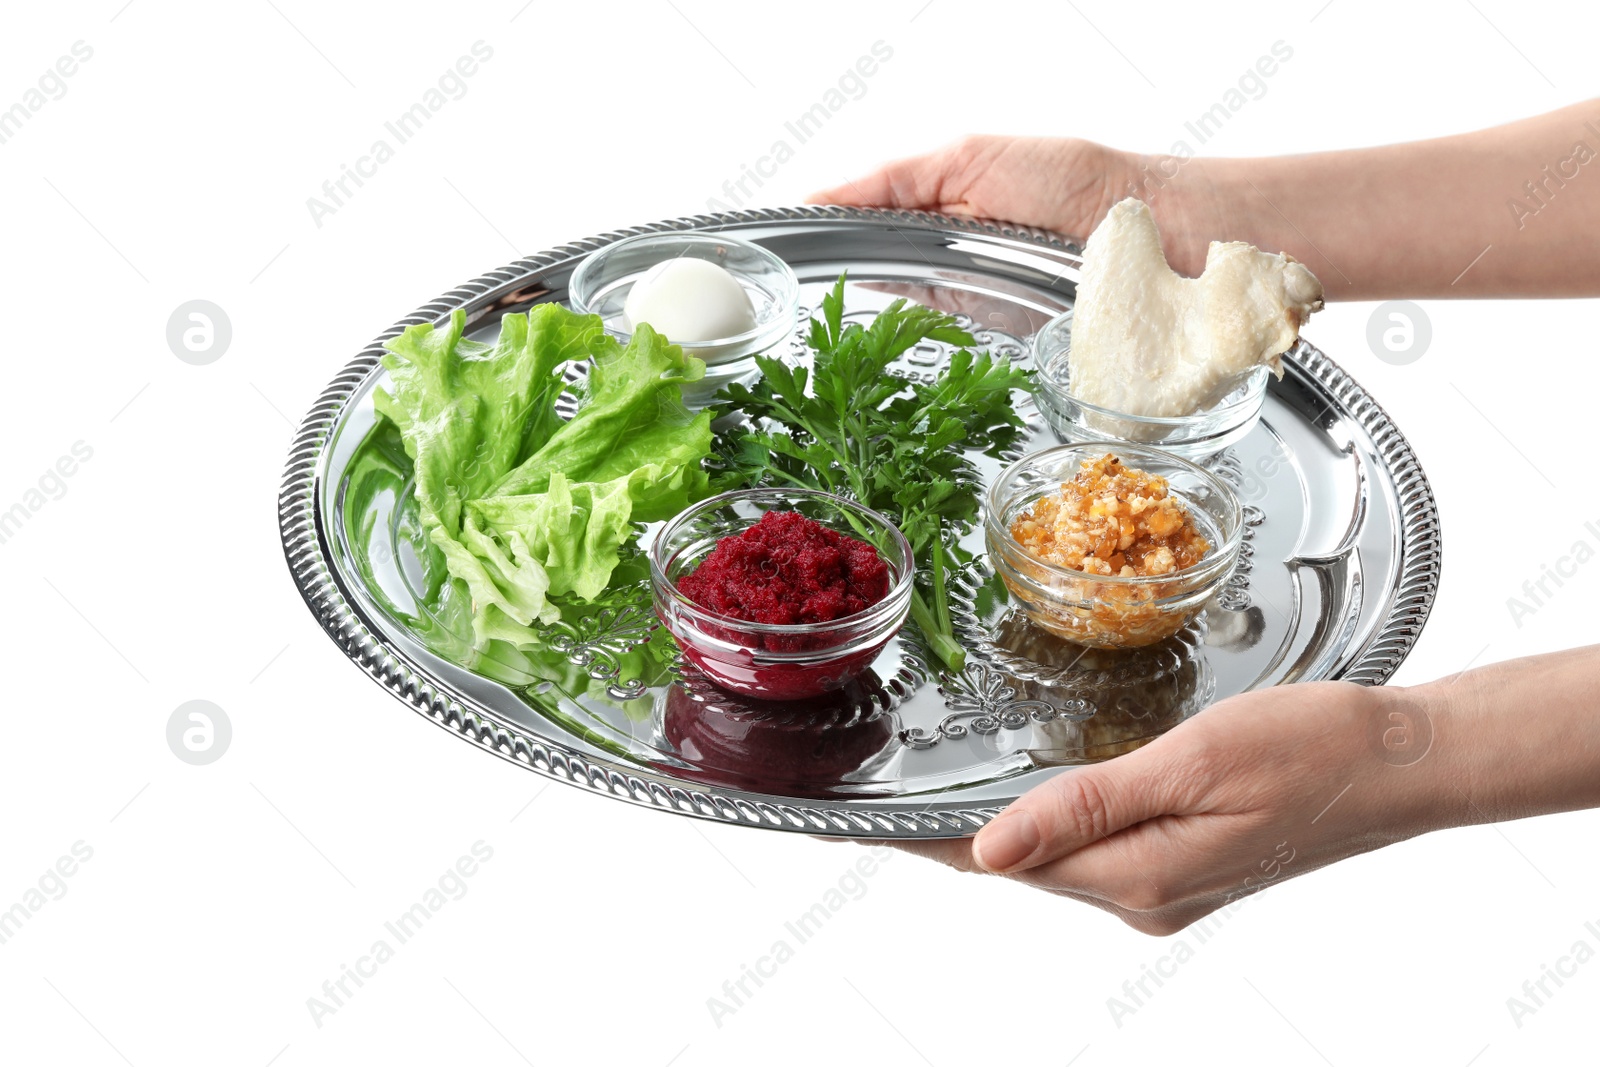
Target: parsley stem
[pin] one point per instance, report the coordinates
(944, 645)
(941, 602)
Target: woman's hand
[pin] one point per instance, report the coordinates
(1272, 784)
(1427, 218)
(1259, 788)
(1061, 184)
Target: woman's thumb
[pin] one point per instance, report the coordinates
(1076, 808)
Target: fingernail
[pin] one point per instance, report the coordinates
(1007, 841)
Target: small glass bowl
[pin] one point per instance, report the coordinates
(602, 282)
(766, 660)
(1110, 611)
(1196, 437)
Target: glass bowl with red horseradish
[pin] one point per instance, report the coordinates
(781, 594)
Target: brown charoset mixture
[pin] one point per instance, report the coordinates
(1112, 520)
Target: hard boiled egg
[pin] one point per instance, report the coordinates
(689, 301)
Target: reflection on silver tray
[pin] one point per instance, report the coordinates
(1336, 579)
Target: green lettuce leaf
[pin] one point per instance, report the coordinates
(469, 412)
(523, 506)
(576, 530)
(632, 416)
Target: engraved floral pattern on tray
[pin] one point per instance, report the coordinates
(985, 702)
(597, 642)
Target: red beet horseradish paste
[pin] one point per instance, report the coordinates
(789, 570)
(786, 570)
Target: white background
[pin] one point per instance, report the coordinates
(219, 898)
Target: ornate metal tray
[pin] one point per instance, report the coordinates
(1336, 579)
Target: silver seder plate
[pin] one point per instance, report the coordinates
(1335, 581)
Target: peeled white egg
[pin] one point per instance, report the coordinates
(689, 301)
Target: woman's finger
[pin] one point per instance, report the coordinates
(1143, 909)
(915, 183)
(955, 852)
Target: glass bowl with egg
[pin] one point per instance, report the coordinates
(1197, 437)
(721, 299)
(1111, 545)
